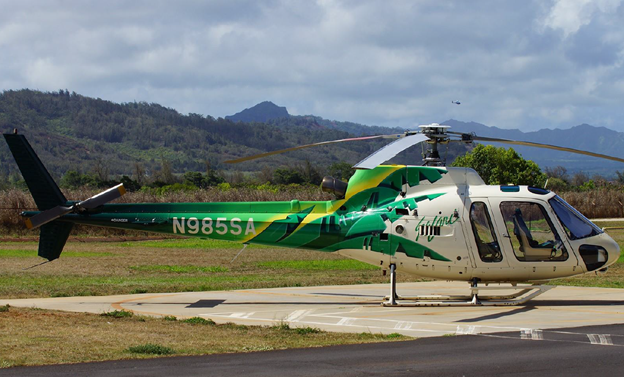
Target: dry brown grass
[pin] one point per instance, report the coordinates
(597, 203)
(35, 337)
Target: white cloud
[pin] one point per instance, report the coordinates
(389, 63)
(571, 15)
(45, 74)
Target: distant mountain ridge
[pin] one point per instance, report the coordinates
(583, 137)
(74, 132)
(268, 112)
(261, 113)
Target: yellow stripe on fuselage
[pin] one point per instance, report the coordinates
(371, 183)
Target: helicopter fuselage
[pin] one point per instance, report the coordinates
(435, 222)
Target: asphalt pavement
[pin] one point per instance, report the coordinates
(583, 351)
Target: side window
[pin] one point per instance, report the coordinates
(484, 234)
(531, 232)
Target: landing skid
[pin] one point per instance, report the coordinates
(522, 294)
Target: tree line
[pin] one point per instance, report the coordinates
(87, 141)
(501, 166)
(70, 131)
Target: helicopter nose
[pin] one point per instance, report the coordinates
(612, 247)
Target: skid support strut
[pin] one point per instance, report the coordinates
(515, 294)
(474, 292)
(391, 300)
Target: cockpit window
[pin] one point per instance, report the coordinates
(575, 224)
(488, 247)
(531, 233)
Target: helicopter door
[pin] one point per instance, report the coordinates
(482, 237)
(403, 227)
(533, 241)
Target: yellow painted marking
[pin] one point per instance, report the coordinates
(309, 218)
(263, 226)
(318, 212)
(373, 182)
(122, 190)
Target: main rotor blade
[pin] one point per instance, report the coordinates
(248, 158)
(389, 151)
(547, 146)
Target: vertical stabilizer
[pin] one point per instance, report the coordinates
(52, 238)
(41, 185)
(46, 193)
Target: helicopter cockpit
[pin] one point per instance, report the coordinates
(578, 227)
(537, 241)
(575, 224)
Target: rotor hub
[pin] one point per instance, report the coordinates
(437, 135)
(436, 132)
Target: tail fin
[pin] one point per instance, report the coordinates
(41, 185)
(45, 192)
(52, 239)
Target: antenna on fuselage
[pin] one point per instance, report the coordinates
(239, 253)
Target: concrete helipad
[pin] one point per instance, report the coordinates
(357, 308)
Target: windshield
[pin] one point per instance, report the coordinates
(576, 225)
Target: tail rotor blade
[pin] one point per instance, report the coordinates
(103, 197)
(45, 217)
(52, 214)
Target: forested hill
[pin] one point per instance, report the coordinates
(262, 112)
(583, 137)
(73, 132)
(268, 112)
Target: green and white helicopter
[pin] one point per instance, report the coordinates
(430, 221)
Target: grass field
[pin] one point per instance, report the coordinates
(33, 336)
(174, 265)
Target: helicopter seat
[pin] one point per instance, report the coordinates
(531, 249)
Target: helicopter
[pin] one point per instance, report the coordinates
(430, 221)
(456, 102)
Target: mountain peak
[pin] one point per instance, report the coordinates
(262, 112)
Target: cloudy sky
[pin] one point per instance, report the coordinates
(512, 64)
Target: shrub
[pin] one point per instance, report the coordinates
(307, 330)
(118, 314)
(282, 326)
(151, 349)
(199, 321)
